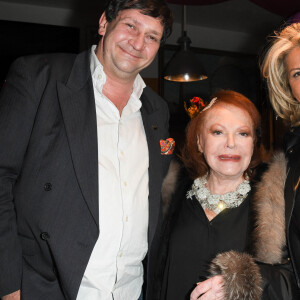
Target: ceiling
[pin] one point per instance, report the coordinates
(235, 15)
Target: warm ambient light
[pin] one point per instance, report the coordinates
(184, 65)
(185, 77)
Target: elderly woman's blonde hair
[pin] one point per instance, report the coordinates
(273, 68)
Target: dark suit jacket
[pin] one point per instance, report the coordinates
(49, 174)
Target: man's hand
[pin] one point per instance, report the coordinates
(13, 296)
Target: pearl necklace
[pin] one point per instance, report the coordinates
(217, 202)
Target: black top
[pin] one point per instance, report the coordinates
(292, 197)
(195, 241)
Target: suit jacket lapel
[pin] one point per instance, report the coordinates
(149, 116)
(78, 109)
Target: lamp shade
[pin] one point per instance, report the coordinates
(184, 65)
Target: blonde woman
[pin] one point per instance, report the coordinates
(281, 68)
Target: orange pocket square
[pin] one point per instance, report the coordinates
(167, 146)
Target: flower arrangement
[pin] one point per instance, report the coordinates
(195, 106)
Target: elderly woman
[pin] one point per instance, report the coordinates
(209, 225)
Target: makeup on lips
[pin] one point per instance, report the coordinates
(228, 157)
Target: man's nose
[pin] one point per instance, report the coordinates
(138, 42)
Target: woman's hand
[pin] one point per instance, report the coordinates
(210, 289)
(13, 296)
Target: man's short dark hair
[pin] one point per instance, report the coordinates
(153, 8)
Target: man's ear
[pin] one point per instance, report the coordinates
(102, 24)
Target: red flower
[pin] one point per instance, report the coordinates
(196, 105)
(197, 101)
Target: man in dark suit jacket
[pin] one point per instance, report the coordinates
(52, 108)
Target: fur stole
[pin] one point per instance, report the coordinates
(269, 209)
(242, 278)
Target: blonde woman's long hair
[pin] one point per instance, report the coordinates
(273, 68)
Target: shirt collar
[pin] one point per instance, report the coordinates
(99, 75)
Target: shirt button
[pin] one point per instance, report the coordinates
(99, 76)
(121, 254)
(45, 236)
(126, 219)
(125, 183)
(47, 186)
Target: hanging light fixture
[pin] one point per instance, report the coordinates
(184, 65)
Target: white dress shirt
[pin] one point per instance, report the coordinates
(115, 269)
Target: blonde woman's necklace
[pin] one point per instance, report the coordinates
(215, 202)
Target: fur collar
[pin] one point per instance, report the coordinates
(269, 209)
